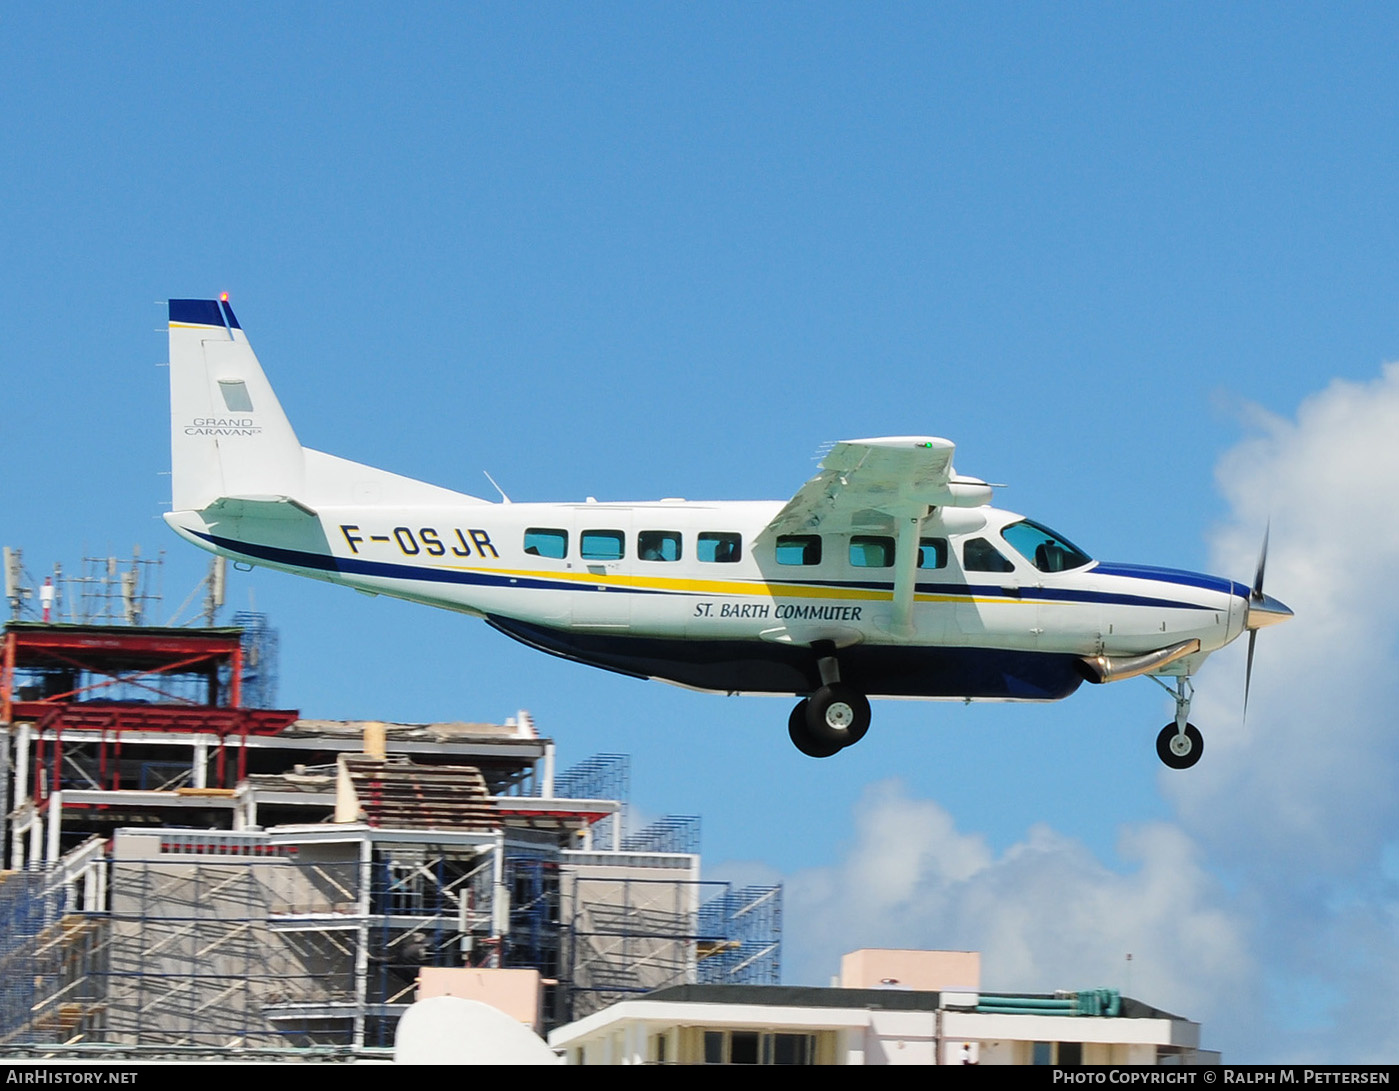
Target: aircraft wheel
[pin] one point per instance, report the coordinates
(838, 715)
(801, 737)
(1179, 751)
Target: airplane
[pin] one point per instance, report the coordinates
(887, 575)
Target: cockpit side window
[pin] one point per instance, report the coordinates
(1043, 548)
(979, 555)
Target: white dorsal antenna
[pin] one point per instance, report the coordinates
(503, 497)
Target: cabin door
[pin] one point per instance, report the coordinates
(602, 600)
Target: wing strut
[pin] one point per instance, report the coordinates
(905, 574)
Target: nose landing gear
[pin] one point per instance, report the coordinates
(1180, 744)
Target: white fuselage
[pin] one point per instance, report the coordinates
(491, 560)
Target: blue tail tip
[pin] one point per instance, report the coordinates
(203, 312)
(195, 312)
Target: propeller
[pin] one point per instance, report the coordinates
(1263, 610)
(1255, 597)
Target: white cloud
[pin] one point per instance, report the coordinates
(1311, 775)
(1045, 913)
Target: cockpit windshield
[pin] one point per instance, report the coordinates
(1043, 548)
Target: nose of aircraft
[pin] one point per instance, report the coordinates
(1264, 610)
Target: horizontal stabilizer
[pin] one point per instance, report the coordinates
(259, 507)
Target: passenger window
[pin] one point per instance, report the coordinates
(799, 549)
(658, 545)
(546, 542)
(932, 552)
(869, 551)
(602, 545)
(979, 555)
(719, 548)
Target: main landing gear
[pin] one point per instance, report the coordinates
(832, 718)
(1180, 744)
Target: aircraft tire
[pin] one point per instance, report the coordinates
(838, 715)
(1179, 755)
(801, 738)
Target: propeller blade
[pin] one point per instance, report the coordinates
(1262, 564)
(1248, 670)
(1261, 611)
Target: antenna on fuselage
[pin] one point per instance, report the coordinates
(503, 497)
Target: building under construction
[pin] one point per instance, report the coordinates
(190, 871)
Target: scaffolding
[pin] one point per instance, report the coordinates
(629, 934)
(674, 833)
(742, 937)
(217, 940)
(258, 883)
(312, 938)
(261, 644)
(603, 776)
(50, 930)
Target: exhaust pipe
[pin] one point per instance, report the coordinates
(1113, 668)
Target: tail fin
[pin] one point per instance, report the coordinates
(228, 434)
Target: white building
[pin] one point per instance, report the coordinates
(891, 1007)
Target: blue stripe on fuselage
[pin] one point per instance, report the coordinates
(357, 566)
(1023, 591)
(354, 566)
(1171, 575)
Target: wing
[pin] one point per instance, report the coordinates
(866, 483)
(886, 485)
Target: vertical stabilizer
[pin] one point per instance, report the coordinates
(228, 434)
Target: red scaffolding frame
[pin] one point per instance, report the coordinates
(148, 658)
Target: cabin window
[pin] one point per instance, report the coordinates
(1043, 548)
(871, 551)
(799, 549)
(235, 395)
(719, 548)
(932, 552)
(979, 555)
(603, 545)
(658, 545)
(546, 542)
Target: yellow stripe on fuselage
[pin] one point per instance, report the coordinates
(746, 588)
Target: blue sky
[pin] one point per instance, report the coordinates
(1137, 262)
